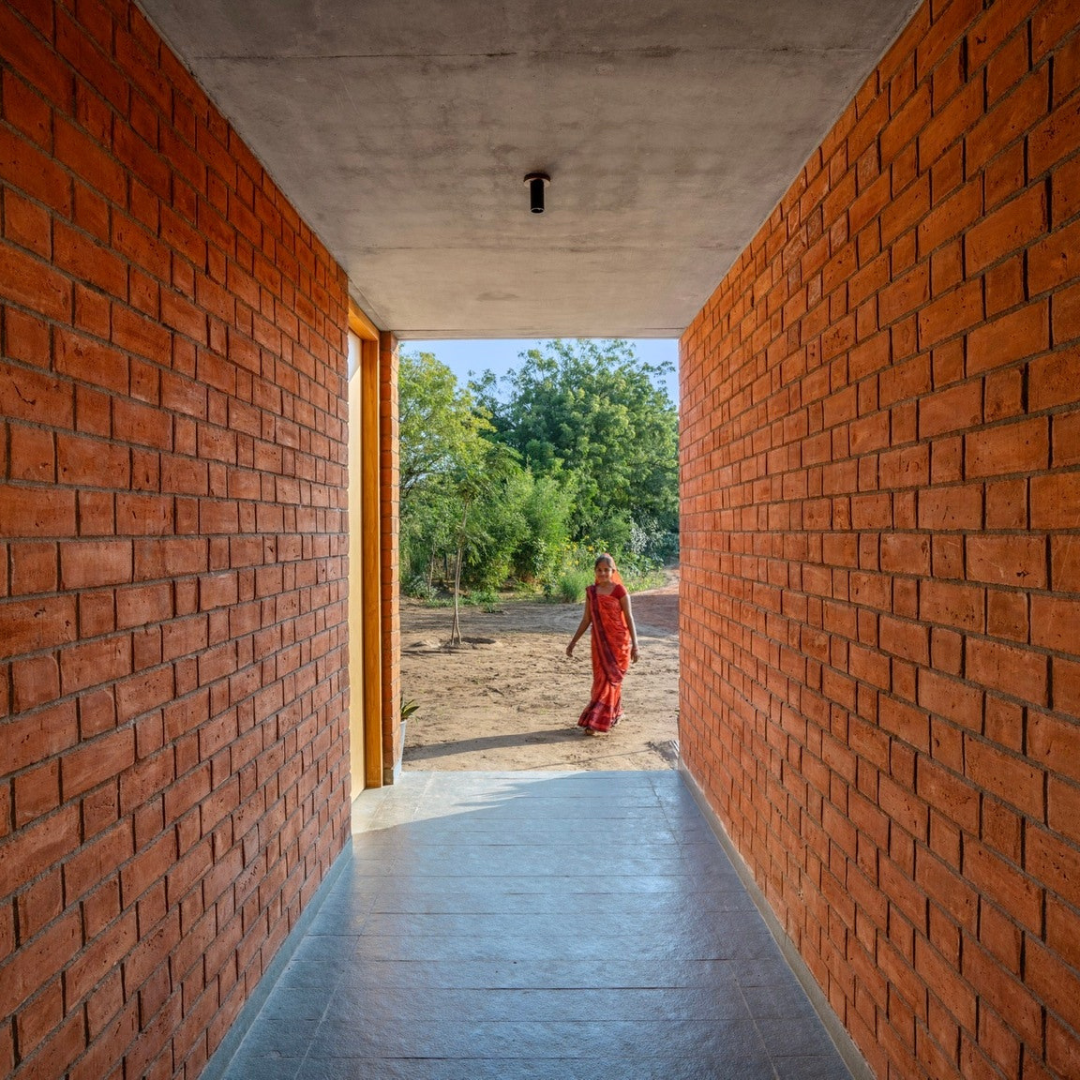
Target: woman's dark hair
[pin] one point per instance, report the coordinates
(605, 558)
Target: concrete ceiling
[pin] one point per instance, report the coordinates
(402, 131)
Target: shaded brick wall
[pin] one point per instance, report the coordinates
(173, 734)
(881, 557)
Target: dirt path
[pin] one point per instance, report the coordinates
(510, 698)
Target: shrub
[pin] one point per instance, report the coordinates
(419, 588)
(485, 599)
(569, 587)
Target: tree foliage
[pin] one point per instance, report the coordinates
(502, 478)
(440, 426)
(592, 415)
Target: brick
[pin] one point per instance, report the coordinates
(143, 692)
(36, 681)
(957, 117)
(956, 605)
(172, 557)
(143, 605)
(27, 225)
(1062, 1048)
(1015, 672)
(1012, 778)
(91, 361)
(905, 295)
(1055, 623)
(32, 625)
(1065, 197)
(32, 454)
(905, 553)
(1054, 500)
(1015, 113)
(84, 258)
(93, 563)
(1052, 262)
(101, 957)
(951, 409)
(181, 315)
(1063, 809)
(1064, 564)
(143, 425)
(97, 761)
(147, 868)
(26, 280)
(1065, 438)
(36, 793)
(36, 512)
(1062, 936)
(1007, 560)
(134, 332)
(86, 462)
(951, 508)
(35, 848)
(94, 662)
(950, 218)
(1052, 861)
(1007, 448)
(1055, 984)
(1013, 225)
(1057, 137)
(144, 515)
(33, 568)
(954, 313)
(906, 639)
(1009, 338)
(1052, 380)
(27, 340)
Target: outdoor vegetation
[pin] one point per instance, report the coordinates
(520, 482)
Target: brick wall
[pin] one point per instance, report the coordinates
(173, 736)
(881, 590)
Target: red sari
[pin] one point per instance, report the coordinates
(610, 658)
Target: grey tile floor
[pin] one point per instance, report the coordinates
(536, 926)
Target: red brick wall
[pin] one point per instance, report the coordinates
(881, 598)
(173, 742)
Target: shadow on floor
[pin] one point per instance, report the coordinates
(426, 751)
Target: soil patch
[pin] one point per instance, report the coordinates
(509, 698)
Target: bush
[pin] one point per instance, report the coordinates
(569, 587)
(485, 599)
(419, 588)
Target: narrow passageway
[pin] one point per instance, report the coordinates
(540, 926)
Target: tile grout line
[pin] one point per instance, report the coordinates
(846, 1048)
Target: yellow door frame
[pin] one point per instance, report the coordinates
(365, 617)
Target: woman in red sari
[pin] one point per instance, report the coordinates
(614, 646)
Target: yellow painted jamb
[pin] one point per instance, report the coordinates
(370, 545)
(370, 493)
(361, 325)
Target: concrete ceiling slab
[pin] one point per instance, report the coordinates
(402, 131)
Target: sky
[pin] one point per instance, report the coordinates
(461, 357)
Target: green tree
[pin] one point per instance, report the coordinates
(595, 416)
(478, 481)
(440, 422)
(441, 437)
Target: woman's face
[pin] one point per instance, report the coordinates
(604, 570)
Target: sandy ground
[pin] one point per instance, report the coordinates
(509, 698)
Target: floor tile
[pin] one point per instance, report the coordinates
(578, 926)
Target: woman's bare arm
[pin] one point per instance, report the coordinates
(586, 618)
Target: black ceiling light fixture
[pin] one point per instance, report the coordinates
(537, 181)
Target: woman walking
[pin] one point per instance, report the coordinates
(614, 645)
